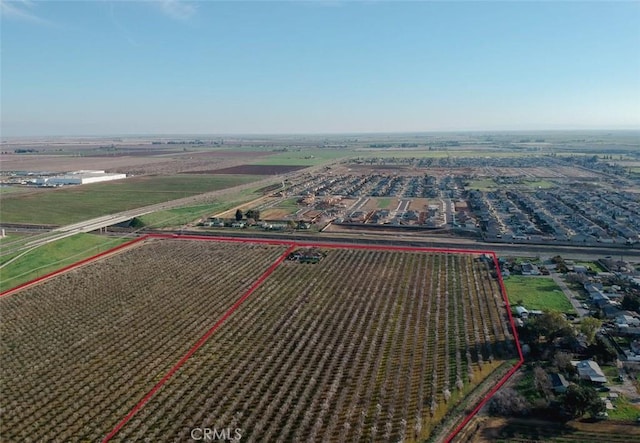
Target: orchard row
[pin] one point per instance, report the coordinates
(367, 344)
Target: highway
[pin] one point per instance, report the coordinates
(416, 239)
(95, 224)
(98, 223)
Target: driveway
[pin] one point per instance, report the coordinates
(571, 296)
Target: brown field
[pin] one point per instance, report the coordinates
(374, 203)
(366, 345)
(311, 214)
(558, 172)
(420, 204)
(380, 169)
(417, 204)
(274, 214)
(135, 152)
(137, 162)
(253, 170)
(494, 430)
(58, 163)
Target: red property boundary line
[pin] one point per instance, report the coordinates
(198, 344)
(292, 244)
(71, 266)
(319, 244)
(508, 375)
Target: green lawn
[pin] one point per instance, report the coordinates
(534, 260)
(73, 204)
(384, 202)
(54, 256)
(537, 293)
(525, 386)
(593, 265)
(4, 190)
(181, 216)
(304, 157)
(436, 153)
(624, 410)
(543, 184)
(316, 156)
(482, 185)
(290, 204)
(611, 372)
(10, 237)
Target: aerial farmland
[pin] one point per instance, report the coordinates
(338, 324)
(274, 339)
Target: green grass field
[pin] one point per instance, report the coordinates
(73, 204)
(537, 293)
(290, 204)
(526, 387)
(520, 260)
(384, 202)
(482, 185)
(304, 157)
(489, 184)
(13, 236)
(590, 264)
(624, 410)
(180, 216)
(439, 153)
(539, 184)
(54, 256)
(4, 190)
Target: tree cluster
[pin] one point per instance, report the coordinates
(579, 400)
(631, 302)
(545, 328)
(250, 214)
(509, 403)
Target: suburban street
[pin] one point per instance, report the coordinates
(570, 295)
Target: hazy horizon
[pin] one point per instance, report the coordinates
(523, 132)
(100, 69)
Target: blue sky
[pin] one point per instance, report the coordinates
(172, 67)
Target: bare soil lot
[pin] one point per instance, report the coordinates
(134, 161)
(490, 430)
(558, 172)
(58, 163)
(253, 170)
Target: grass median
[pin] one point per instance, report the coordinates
(53, 256)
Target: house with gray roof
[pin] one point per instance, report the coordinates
(590, 370)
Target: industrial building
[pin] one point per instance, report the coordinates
(78, 178)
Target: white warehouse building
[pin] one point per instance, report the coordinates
(78, 178)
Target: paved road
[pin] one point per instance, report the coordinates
(113, 219)
(391, 238)
(421, 239)
(511, 249)
(571, 296)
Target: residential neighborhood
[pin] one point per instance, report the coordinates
(525, 200)
(580, 335)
